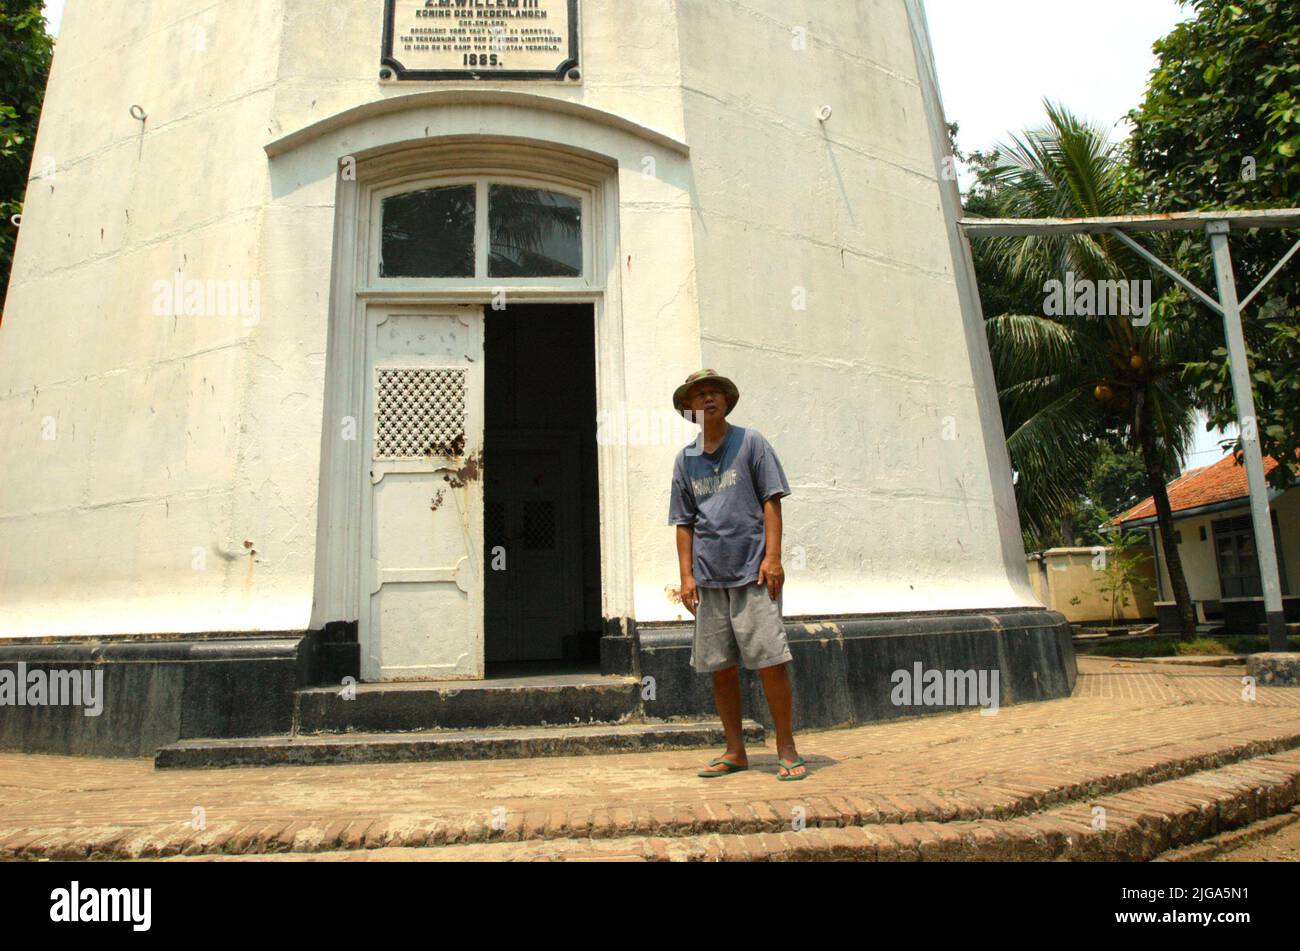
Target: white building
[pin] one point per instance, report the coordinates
(299, 333)
(1215, 538)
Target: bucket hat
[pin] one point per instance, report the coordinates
(679, 395)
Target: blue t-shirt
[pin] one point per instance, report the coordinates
(722, 495)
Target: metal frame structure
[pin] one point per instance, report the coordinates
(1217, 225)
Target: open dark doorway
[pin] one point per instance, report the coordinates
(541, 518)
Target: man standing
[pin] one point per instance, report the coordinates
(726, 504)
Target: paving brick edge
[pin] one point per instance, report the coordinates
(1140, 825)
(1173, 812)
(1232, 840)
(1001, 801)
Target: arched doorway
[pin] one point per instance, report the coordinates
(471, 330)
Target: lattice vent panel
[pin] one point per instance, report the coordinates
(419, 412)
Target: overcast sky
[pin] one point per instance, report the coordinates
(53, 14)
(998, 59)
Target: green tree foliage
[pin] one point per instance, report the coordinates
(1118, 479)
(25, 53)
(1067, 384)
(1117, 483)
(1220, 129)
(999, 292)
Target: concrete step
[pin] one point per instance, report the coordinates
(516, 743)
(555, 699)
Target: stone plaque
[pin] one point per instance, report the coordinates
(480, 39)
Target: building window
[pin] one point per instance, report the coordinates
(429, 233)
(1235, 553)
(535, 233)
(1234, 550)
(485, 229)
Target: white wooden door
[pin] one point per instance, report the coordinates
(422, 520)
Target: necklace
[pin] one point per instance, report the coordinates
(717, 466)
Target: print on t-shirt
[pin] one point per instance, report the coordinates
(725, 506)
(710, 484)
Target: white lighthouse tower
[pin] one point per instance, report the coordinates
(341, 341)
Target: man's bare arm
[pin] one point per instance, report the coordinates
(770, 572)
(685, 563)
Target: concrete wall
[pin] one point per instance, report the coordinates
(163, 470)
(1060, 575)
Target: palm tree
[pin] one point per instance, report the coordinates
(1066, 383)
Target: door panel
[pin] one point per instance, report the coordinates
(534, 496)
(422, 610)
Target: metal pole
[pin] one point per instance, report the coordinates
(1265, 550)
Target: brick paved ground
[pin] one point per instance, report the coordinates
(1127, 725)
(1281, 845)
(1272, 839)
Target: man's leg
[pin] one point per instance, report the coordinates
(715, 647)
(780, 701)
(760, 630)
(726, 696)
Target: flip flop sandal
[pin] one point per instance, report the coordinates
(731, 768)
(790, 777)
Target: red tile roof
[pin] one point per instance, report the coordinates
(1225, 481)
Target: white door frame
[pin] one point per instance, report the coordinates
(355, 288)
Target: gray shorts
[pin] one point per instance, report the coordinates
(738, 624)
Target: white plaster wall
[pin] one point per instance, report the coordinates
(203, 434)
(630, 66)
(1199, 565)
(1287, 508)
(857, 391)
(631, 69)
(99, 525)
(184, 434)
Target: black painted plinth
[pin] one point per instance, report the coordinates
(843, 667)
(157, 690)
(160, 690)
